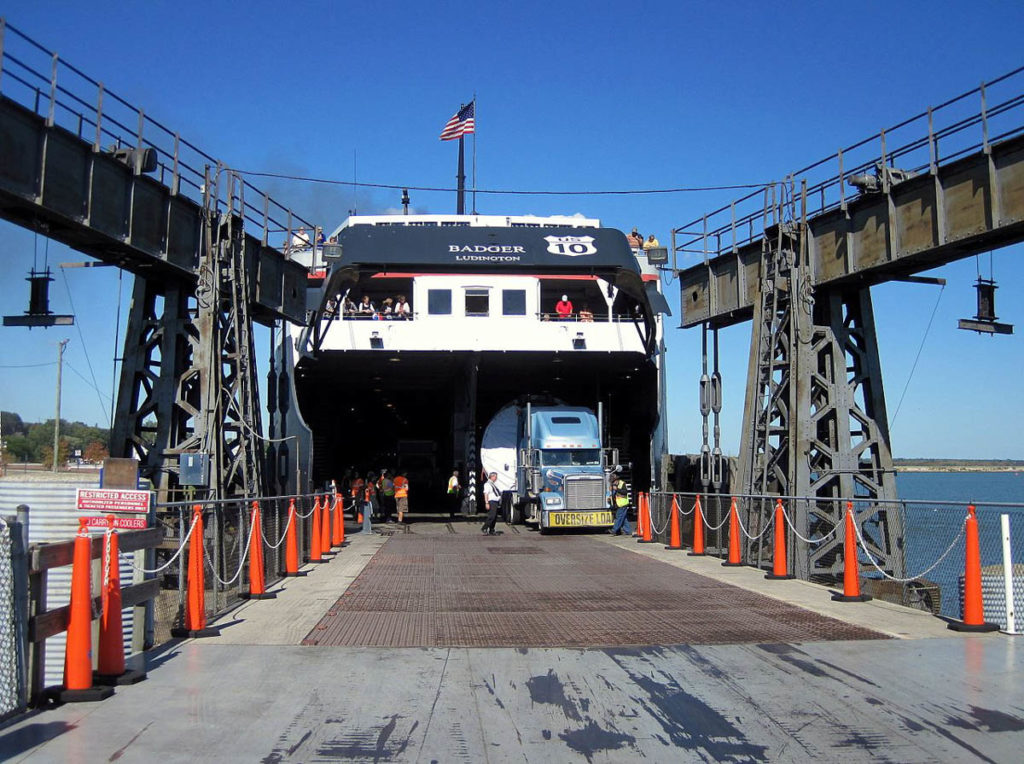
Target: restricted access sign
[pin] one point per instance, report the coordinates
(112, 500)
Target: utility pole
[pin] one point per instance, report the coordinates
(56, 420)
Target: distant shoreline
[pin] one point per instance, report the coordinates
(956, 468)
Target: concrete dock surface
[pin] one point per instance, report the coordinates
(918, 693)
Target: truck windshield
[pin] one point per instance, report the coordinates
(570, 457)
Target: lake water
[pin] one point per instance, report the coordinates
(932, 527)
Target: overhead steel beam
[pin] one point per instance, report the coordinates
(953, 211)
(55, 182)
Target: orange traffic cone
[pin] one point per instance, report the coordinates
(974, 608)
(257, 581)
(675, 536)
(734, 538)
(195, 604)
(110, 667)
(851, 570)
(779, 567)
(338, 539)
(314, 534)
(325, 528)
(291, 544)
(645, 508)
(78, 653)
(698, 530)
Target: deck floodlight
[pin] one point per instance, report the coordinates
(579, 342)
(376, 341)
(984, 322)
(657, 255)
(39, 313)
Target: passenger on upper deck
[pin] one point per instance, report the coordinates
(402, 309)
(301, 239)
(331, 308)
(365, 308)
(651, 243)
(586, 314)
(348, 308)
(635, 240)
(387, 309)
(564, 308)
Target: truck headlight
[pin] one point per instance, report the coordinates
(551, 500)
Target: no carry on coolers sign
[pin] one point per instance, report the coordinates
(101, 502)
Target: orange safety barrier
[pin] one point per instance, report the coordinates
(675, 533)
(734, 538)
(974, 608)
(257, 581)
(291, 544)
(698, 530)
(645, 509)
(780, 570)
(195, 603)
(110, 668)
(338, 539)
(315, 534)
(78, 652)
(851, 569)
(325, 528)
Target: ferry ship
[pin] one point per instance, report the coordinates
(365, 388)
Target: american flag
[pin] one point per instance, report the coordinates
(462, 123)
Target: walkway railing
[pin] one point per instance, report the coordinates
(965, 124)
(227, 546)
(932, 543)
(66, 96)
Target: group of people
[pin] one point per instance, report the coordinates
(564, 310)
(636, 241)
(380, 496)
(391, 309)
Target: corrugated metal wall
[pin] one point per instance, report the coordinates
(52, 518)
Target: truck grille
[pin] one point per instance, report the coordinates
(585, 493)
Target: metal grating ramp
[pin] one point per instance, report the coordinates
(560, 591)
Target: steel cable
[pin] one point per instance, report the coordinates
(871, 559)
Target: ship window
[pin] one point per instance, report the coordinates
(565, 420)
(513, 302)
(439, 302)
(477, 302)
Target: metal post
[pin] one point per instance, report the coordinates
(98, 143)
(1011, 616)
(53, 92)
(20, 563)
(3, 29)
(56, 420)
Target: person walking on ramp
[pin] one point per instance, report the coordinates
(492, 495)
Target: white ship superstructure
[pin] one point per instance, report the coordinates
(489, 321)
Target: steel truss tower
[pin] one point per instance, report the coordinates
(188, 379)
(815, 415)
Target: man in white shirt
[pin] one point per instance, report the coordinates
(492, 495)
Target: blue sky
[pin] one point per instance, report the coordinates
(571, 96)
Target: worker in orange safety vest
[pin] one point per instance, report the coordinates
(401, 495)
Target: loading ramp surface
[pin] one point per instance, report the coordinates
(463, 589)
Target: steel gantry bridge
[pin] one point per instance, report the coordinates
(798, 259)
(82, 166)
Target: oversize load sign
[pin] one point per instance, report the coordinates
(106, 500)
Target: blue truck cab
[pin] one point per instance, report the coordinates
(563, 472)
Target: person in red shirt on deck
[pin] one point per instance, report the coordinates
(564, 308)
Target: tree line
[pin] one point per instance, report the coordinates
(33, 441)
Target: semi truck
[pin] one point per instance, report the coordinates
(551, 466)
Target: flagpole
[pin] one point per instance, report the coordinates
(460, 208)
(474, 153)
